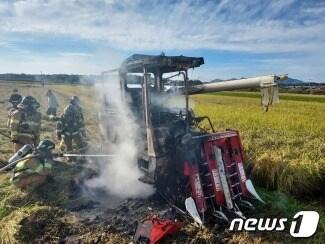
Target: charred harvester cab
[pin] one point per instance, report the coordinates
(204, 168)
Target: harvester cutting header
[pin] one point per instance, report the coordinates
(204, 168)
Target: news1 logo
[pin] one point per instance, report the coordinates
(308, 224)
(303, 225)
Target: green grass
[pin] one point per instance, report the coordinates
(280, 205)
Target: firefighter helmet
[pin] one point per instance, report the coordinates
(75, 100)
(44, 149)
(15, 99)
(45, 145)
(29, 102)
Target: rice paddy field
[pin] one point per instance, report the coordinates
(284, 153)
(285, 146)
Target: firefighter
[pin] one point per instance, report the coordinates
(76, 102)
(25, 123)
(70, 128)
(52, 104)
(14, 99)
(35, 169)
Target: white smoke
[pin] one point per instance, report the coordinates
(119, 175)
(172, 100)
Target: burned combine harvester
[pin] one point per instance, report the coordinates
(186, 163)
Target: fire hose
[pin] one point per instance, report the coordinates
(64, 155)
(87, 155)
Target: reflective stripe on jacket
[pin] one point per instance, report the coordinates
(10, 113)
(23, 124)
(70, 127)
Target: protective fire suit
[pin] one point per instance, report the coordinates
(77, 103)
(70, 128)
(31, 172)
(14, 99)
(25, 128)
(11, 110)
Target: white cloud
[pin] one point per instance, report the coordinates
(230, 25)
(252, 26)
(65, 62)
(75, 54)
(309, 67)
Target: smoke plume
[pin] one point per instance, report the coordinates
(119, 174)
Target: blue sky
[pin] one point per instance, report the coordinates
(236, 38)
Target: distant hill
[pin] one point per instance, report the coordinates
(55, 78)
(291, 82)
(215, 80)
(50, 78)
